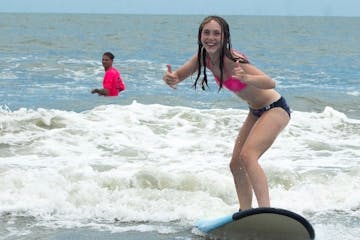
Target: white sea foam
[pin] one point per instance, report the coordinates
(158, 163)
(354, 93)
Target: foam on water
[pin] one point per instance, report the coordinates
(154, 163)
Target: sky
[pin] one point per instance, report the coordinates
(203, 7)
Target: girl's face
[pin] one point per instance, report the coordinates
(212, 37)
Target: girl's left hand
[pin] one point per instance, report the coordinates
(239, 73)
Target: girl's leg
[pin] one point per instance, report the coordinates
(259, 139)
(241, 180)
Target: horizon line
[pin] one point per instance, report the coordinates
(174, 14)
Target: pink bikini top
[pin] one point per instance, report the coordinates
(232, 84)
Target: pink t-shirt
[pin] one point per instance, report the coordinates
(112, 82)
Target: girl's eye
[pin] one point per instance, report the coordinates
(206, 32)
(214, 33)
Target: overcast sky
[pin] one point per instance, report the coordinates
(205, 7)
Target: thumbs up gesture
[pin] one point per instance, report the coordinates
(171, 78)
(238, 72)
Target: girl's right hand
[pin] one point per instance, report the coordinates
(170, 78)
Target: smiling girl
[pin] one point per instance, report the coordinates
(268, 110)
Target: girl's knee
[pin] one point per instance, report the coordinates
(236, 165)
(247, 158)
(243, 161)
(233, 166)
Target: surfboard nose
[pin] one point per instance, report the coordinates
(208, 225)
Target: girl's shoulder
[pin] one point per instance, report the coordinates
(238, 55)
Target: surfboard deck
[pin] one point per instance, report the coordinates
(258, 224)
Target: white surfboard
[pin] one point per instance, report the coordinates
(258, 224)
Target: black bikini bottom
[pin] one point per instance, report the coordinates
(279, 103)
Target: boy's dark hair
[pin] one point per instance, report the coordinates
(109, 54)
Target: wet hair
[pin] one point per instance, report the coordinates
(109, 54)
(225, 51)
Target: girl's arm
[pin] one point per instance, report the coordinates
(173, 78)
(251, 75)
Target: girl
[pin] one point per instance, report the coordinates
(268, 110)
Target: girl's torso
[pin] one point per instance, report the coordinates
(255, 97)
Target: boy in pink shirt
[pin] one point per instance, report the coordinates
(112, 82)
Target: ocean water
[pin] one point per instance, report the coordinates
(150, 163)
